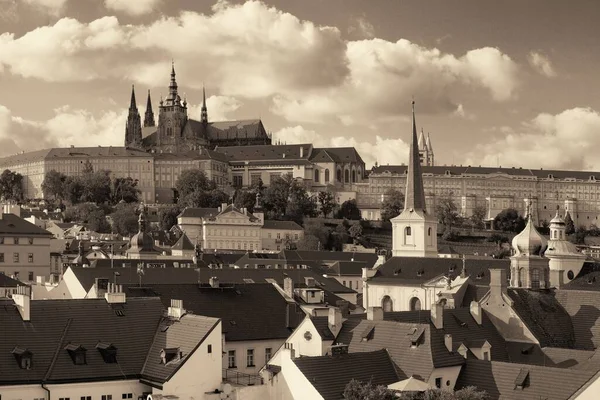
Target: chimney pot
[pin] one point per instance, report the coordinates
(288, 286)
(476, 312)
(437, 315)
(498, 284)
(335, 320)
(375, 314)
(448, 342)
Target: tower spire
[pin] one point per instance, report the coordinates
(204, 111)
(133, 127)
(173, 84)
(133, 104)
(149, 116)
(415, 194)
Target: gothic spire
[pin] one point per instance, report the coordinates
(133, 127)
(421, 140)
(415, 194)
(133, 104)
(428, 143)
(149, 116)
(173, 84)
(204, 111)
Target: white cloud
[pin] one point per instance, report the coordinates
(382, 150)
(67, 127)
(568, 140)
(361, 27)
(256, 51)
(219, 108)
(53, 7)
(132, 7)
(541, 64)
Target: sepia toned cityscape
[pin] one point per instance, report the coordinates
(298, 200)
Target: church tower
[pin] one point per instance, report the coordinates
(172, 118)
(529, 268)
(133, 127)
(204, 111)
(414, 231)
(430, 158)
(149, 117)
(565, 260)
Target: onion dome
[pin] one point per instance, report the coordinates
(529, 241)
(141, 241)
(557, 220)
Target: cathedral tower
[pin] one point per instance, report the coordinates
(149, 117)
(133, 127)
(172, 118)
(414, 231)
(204, 112)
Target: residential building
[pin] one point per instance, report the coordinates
(280, 235)
(24, 249)
(8, 286)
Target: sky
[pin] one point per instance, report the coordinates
(508, 83)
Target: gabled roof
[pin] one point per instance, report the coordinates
(94, 152)
(499, 380)
(282, 225)
(57, 323)
(190, 212)
(10, 224)
(184, 336)
(322, 326)
(7, 281)
(329, 375)
(184, 243)
(248, 312)
(347, 268)
(416, 270)
(544, 316)
(328, 256)
(337, 154)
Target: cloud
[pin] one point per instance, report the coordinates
(309, 73)
(541, 64)
(219, 108)
(132, 7)
(567, 140)
(382, 150)
(53, 7)
(361, 27)
(65, 128)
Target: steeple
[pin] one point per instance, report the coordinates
(204, 111)
(415, 194)
(421, 138)
(133, 127)
(173, 98)
(428, 143)
(149, 117)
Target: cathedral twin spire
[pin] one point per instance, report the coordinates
(133, 127)
(415, 193)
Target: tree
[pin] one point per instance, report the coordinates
(509, 220)
(327, 202)
(393, 204)
(309, 242)
(356, 390)
(579, 236)
(168, 217)
(96, 187)
(569, 224)
(355, 231)
(73, 189)
(88, 168)
(245, 199)
(53, 185)
(447, 212)
(287, 199)
(96, 221)
(204, 199)
(88, 214)
(125, 219)
(450, 235)
(594, 230)
(193, 180)
(339, 238)
(124, 189)
(11, 186)
(349, 210)
(477, 219)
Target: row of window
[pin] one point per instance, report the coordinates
(232, 361)
(30, 275)
(103, 397)
(287, 236)
(226, 244)
(16, 258)
(17, 240)
(347, 175)
(233, 232)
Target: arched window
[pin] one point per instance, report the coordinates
(360, 176)
(553, 234)
(415, 304)
(353, 175)
(407, 235)
(535, 279)
(428, 231)
(387, 304)
(326, 175)
(316, 175)
(339, 175)
(346, 176)
(408, 231)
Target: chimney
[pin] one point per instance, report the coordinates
(288, 286)
(557, 278)
(498, 284)
(437, 316)
(375, 314)
(476, 312)
(214, 282)
(309, 281)
(289, 349)
(339, 349)
(448, 342)
(223, 206)
(334, 320)
(22, 299)
(114, 294)
(344, 306)
(462, 350)
(176, 310)
(301, 152)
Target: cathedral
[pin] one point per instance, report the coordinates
(177, 133)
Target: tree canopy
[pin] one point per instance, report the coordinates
(168, 217)
(392, 205)
(89, 214)
(349, 210)
(53, 185)
(11, 186)
(124, 189)
(125, 219)
(477, 219)
(569, 224)
(287, 199)
(327, 203)
(356, 390)
(509, 220)
(447, 211)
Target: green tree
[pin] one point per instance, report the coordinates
(477, 219)
(11, 186)
(124, 189)
(392, 205)
(125, 219)
(53, 185)
(569, 224)
(447, 212)
(327, 202)
(168, 217)
(349, 210)
(509, 220)
(355, 231)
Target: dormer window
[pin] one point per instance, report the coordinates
(368, 333)
(168, 355)
(77, 353)
(420, 272)
(108, 352)
(522, 379)
(550, 176)
(416, 336)
(23, 357)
